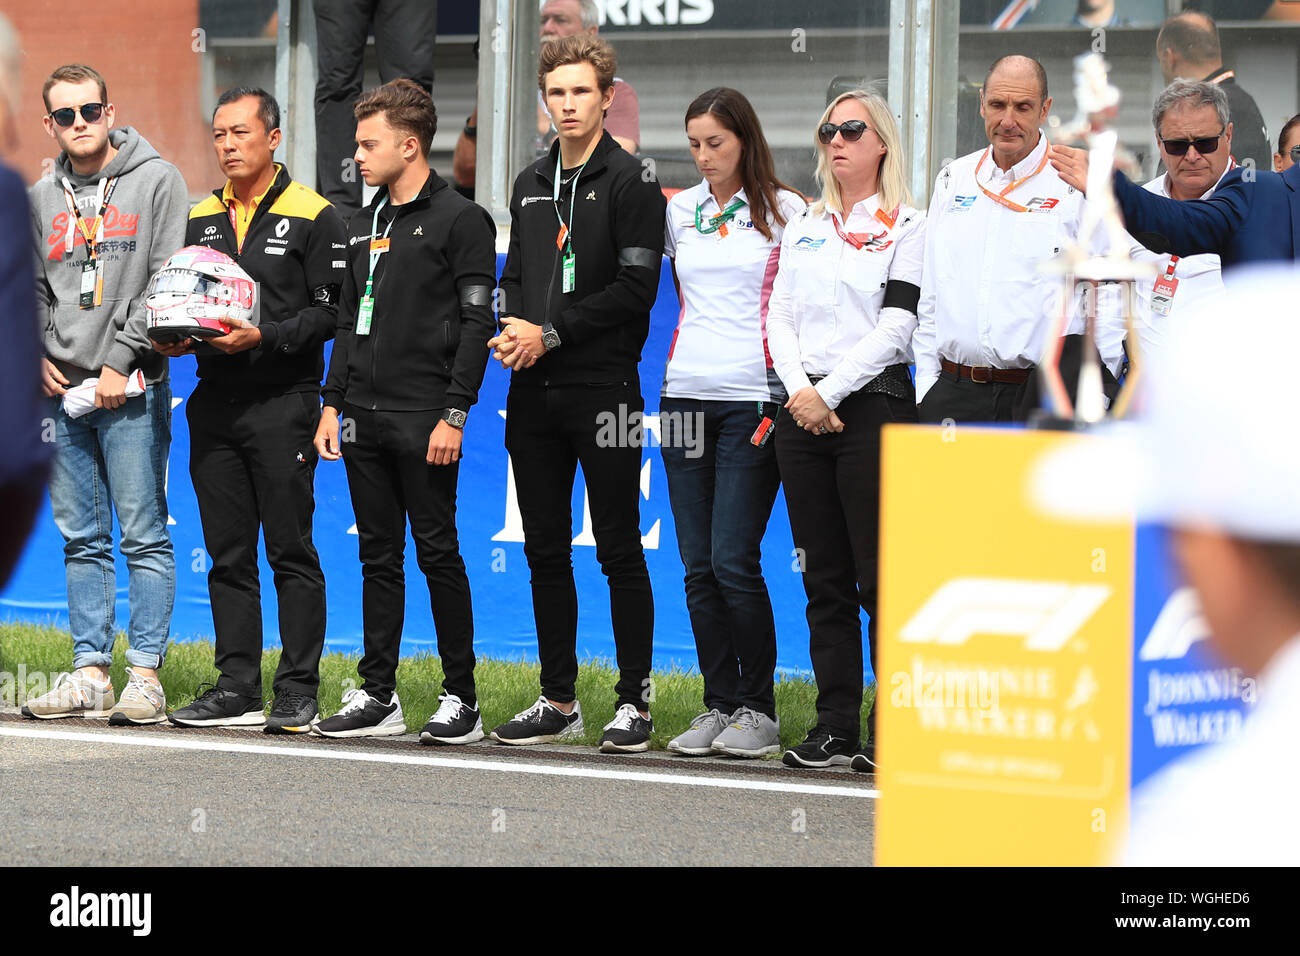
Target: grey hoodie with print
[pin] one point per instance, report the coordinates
(144, 224)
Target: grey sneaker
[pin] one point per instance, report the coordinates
(697, 740)
(73, 695)
(143, 702)
(750, 734)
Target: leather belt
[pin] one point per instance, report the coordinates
(984, 374)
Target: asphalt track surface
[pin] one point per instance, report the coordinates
(78, 792)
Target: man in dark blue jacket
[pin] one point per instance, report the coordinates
(1253, 216)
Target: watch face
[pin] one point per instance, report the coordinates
(551, 339)
(456, 417)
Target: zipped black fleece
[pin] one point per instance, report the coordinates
(294, 250)
(618, 245)
(432, 318)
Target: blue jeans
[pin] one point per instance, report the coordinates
(722, 488)
(110, 461)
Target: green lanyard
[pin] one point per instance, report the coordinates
(366, 311)
(564, 240)
(718, 222)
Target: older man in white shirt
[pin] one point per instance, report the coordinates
(1195, 140)
(995, 217)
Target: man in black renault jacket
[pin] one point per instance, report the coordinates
(253, 416)
(586, 244)
(414, 320)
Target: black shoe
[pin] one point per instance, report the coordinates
(292, 713)
(540, 724)
(363, 716)
(627, 733)
(220, 708)
(454, 723)
(864, 761)
(823, 748)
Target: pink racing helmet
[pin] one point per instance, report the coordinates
(200, 293)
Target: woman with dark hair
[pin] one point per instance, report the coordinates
(843, 311)
(1288, 145)
(719, 400)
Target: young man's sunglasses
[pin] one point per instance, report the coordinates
(851, 131)
(1295, 153)
(1204, 146)
(90, 112)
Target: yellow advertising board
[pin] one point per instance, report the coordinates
(1005, 679)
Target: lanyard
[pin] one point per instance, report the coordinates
(92, 234)
(382, 243)
(1000, 198)
(1173, 265)
(718, 222)
(1225, 75)
(859, 239)
(565, 227)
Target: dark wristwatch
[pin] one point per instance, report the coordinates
(470, 131)
(455, 417)
(550, 337)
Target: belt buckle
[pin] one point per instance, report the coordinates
(981, 374)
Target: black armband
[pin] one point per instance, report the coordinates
(475, 295)
(902, 295)
(639, 256)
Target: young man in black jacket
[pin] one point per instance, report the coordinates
(253, 416)
(586, 242)
(414, 320)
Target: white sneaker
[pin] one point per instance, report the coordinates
(143, 702)
(73, 695)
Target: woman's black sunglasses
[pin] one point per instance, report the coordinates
(90, 112)
(851, 131)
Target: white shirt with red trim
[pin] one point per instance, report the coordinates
(985, 301)
(719, 351)
(827, 315)
(1199, 279)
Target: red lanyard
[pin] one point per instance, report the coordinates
(859, 239)
(1001, 198)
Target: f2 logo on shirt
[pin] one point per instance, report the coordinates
(1038, 204)
(962, 202)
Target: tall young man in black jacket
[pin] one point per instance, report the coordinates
(586, 242)
(253, 416)
(409, 355)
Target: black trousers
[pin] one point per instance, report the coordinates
(389, 482)
(253, 463)
(832, 494)
(962, 400)
(549, 431)
(404, 43)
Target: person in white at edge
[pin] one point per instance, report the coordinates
(995, 216)
(1207, 463)
(719, 400)
(839, 327)
(1186, 113)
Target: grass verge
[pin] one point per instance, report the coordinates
(31, 655)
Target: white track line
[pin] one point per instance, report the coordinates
(452, 763)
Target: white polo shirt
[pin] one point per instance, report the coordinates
(827, 314)
(724, 282)
(1199, 278)
(983, 299)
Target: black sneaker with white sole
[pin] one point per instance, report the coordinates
(864, 761)
(822, 748)
(627, 733)
(218, 707)
(540, 724)
(364, 716)
(292, 713)
(454, 723)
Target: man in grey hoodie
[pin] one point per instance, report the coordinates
(104, 222)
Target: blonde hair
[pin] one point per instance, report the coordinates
(891, 183)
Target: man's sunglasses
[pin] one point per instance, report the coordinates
(90, 112)
(851, 131)
(1204, 145)
(1295, 153)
